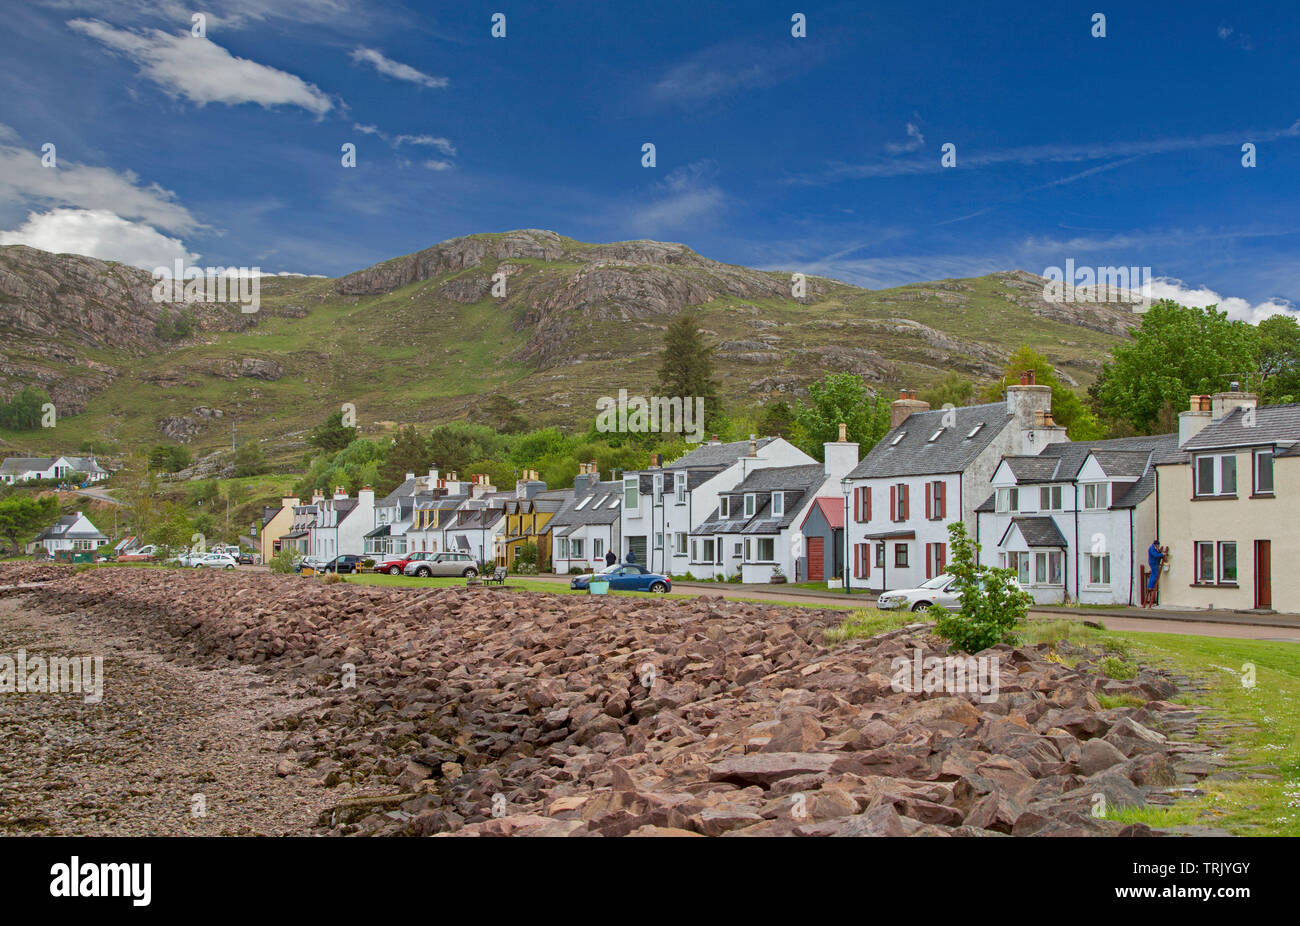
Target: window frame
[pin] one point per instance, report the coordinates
(1218, 566)
(778, 497)
(1255, 456)
(901, 557)
(751, 504)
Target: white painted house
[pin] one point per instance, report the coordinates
(341, 523)
(23, 469)
(1074, 521)
(931, 469)
(70, 532)
(587, 527)
(664, 504)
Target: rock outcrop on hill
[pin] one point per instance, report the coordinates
(495, 712)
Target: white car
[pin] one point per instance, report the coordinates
(191, 557)
(940, 590)
(217, 561)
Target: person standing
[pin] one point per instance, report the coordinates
(610, 557)
(1155, 562)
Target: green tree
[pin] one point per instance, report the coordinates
(501, 413)
(686, 365)
(953, 389)
(408, 453)
(333, 435)
(138, 489)
(23, 516)
(777, 421)
(249, 460)
(25, 410)
(992, 605)
(1068, 409)
(169, 458)
(836, 398)
(1278, 359)
(1175, 352)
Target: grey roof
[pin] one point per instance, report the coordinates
(604, 507)
(794, 482)
(18, 465)
(1038, 532)
(721, 455)
(1273, 424)
(952, 451)
(1071, 454)
(1032, 469)
(60, 530)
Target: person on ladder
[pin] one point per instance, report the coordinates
(1155, 562)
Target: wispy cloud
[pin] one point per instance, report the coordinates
(729, 69)
(225, 14)
(396, 69)
(915, 141)
(442, 144)
(395, 142)
(687, 196)
(202, 71)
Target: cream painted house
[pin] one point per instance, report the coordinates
(1229, 506)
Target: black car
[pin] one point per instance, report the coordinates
(244, 558)
(346, 562)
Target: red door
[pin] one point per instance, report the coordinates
(1263, 574)
(816, 559)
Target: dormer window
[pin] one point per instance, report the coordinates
(1007, 500)
(897, 438)
(1096, 495)
(724, 506)
(749, 504)
(680, 486)
(778, 504)
(631, 494)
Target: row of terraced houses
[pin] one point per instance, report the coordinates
(1073, 519)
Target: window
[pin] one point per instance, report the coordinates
(597, 548)
(749, 550)
(575, 549)
(679, 482)
(1227, 563)
(1205, 571)
(631, 495)
(1049, 498)
(1216, 474)
(899, 437)
(862, 503)
(1055, 570)
(1263, 472)
(1098, 568)
(724, 506)
(1040, 567)
(1096, 495)
(975, 430)
(707, 549)
(778, 504)
(659, 487)
(900, 555)
(749, 504)
(935, 436)
(766, 549)
(860, 568)
(936, 559)
(659, 541)
(898, 501)
(1007, 500)
(737, 550)
(562, 547)
(936, 500)
(880, 556)
(681, 544)
(583, 504)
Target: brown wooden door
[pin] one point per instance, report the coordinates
(1263, 574)
(816, 559)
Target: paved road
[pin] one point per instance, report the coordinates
(99, 495)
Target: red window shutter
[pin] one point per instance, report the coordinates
(941, 557)
(866, 560)
(941, 500)
(929, 553)
(929, 491)
(893, 503)
(866, 491)
(907, 508)
(857, 504)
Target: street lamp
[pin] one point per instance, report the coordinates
(844, 483)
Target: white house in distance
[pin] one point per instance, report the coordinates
(341, 523)
(70, 532)
(755, 530)
(587, 527)
(933, 468)
(23, 469)
(1074, 521)
(663, 505)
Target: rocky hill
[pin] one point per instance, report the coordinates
(422, 338)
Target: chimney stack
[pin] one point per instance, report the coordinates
(1223, 404)
(903, 407)
(841, 455)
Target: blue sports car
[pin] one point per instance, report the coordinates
(626, 577)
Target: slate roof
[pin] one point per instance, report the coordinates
(722, 455)
(1040, 531)
(1072, 454)
(59, 530)
(795, 482)
(16, 466)
(1274, 424)
(951, 452)
(606, 502)
(1123, 458)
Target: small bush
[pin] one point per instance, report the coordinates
(991, 604)
(282, 561)
(332, 578)
(1116, 668)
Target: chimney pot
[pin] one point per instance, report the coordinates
(844, 432)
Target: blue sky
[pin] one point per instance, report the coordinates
(819, 154)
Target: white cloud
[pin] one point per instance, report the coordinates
(442, 144)
(98, 233)
(914, 141)
(203, 72)
(691, 196)
(439, 165)
(1201, 296)
(395, 69)
(23, 181)
(226, 14)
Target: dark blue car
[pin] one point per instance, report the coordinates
(626, 577)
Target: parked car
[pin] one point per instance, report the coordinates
(626, 577)
(139, 555)
(216, 561)
(191, 557)
(443, 564)
(244, 558)
(395, 564)
(315, 563)
(344, 562)
(940, 590)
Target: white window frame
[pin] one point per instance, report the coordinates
(770, 542)
(632, 501)
(679, 487)
(1095, 560)
(750, 504)
(778, 504)
(1217, 468)
(1091, 491)
(1272, 472)
(724, 506)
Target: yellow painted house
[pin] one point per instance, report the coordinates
(275, 524)
(527, 517)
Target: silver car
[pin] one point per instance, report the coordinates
(443, 564)
(940, 590)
